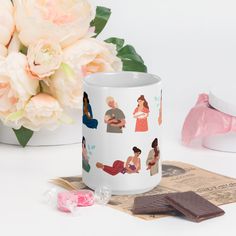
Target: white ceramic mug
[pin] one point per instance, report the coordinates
(122, 116)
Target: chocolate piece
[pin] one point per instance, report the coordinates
(193, 206)
(154, 204)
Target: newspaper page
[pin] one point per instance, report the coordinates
(177, 177)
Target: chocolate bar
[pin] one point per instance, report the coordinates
(155, 204)
(193, 206)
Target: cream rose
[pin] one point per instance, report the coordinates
(80, 59)
(62, 20)
(92, 56)
(3, 50)
(7, 25)
(44, 58)
(66, 86)
(42, 111)
(16, 86)
(15, 44)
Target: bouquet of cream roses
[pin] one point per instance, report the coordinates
(46, 48)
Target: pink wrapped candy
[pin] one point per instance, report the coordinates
(69, 201)
(85, 197)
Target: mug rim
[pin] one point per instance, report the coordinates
(152, 78)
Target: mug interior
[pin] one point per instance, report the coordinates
(121, 79)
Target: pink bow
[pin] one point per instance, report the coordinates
(203, 121)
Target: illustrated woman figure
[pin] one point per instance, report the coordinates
(131, 166)
(85, 157)
(88, 119)
(153, 158)
(114, 117)
(141, 114)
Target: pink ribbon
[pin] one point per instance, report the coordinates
(204, 121)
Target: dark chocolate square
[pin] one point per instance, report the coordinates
(193, 206)
(155, 204)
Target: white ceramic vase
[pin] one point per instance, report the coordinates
(64, 135)
(222, 142)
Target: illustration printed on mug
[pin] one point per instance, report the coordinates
(153, 158)
(114, 117)
(160, 111)
(86, 153)
(131, 166)
(158, 101)
(88, 119)
(141, 114)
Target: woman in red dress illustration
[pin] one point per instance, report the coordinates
(141, 114)
(131, 166)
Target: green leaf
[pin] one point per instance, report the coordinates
(132, 61)
(128, 52)
(132, 57)
(102, 16)
(128, 49)
(23, 135)
(129, 65)
(117, 41)
(23, 49)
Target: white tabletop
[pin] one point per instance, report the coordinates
(24, 175)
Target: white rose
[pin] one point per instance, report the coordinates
(16, 86)
(42, 111)
(7, 25)
(62, 20)
(44, 58)
(80, 59)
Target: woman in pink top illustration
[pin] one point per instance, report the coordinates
(141, 114)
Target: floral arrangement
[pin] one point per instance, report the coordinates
(47, 47)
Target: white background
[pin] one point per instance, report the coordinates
(191, 45)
